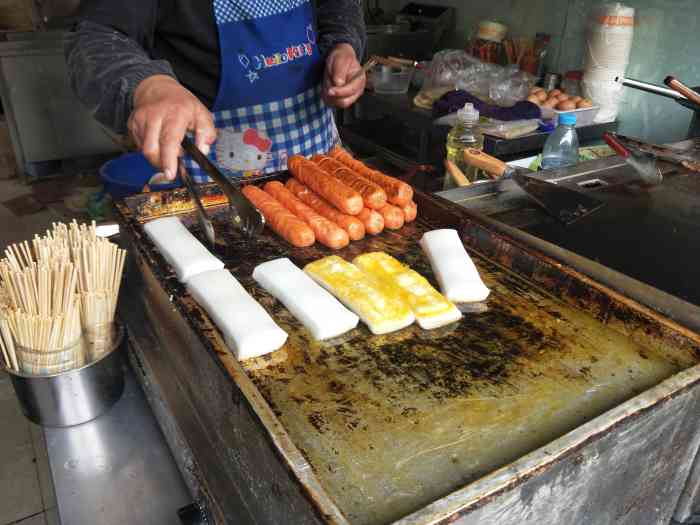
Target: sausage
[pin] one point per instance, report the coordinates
(345, 199)
(398, 192)
(373, 195)
(287, 225)
(352, 225)
(373, 221)
(326, 232)
(410, 211)
(393, 217)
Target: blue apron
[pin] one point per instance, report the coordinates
(269, 104)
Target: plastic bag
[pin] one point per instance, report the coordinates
(446, 67)
(503, 86)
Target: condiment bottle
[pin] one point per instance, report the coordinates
(465, 134)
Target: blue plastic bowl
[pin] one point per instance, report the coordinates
(128, 175)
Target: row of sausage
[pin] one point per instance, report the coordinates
(333, 199)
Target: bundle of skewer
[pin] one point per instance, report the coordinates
(64, 285)
(40, 320)
(100, 266)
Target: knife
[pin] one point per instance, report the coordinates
(564, 204)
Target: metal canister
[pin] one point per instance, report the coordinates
(551, 81)
(76, 396)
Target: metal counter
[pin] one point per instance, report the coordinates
(116, 469)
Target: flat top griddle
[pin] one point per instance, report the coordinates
(391, 423)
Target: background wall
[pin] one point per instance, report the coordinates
(666, 42)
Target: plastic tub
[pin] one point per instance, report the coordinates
(391, 80)
(584, 116)
(128, 174)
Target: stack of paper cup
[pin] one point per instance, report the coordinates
(610, 36)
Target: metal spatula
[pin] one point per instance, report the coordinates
(564, 204)
(244, 216)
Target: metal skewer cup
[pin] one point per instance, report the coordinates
(76, 395)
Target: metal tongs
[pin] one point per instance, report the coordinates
(244, 216)
(202, 218)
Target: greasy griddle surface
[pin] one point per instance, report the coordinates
(391, 423)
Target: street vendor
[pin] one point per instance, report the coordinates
(253, 80)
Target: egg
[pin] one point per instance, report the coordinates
(534, 99)
(566, 105)
(555, 92)
(562, 97)
(542, 95)
(585, 103)
(551, 103)
(576, 99)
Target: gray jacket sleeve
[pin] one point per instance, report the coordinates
(104, 67)
(341, 22)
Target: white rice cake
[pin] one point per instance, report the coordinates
(248, 329)
(320, 312)
(431, 308)
(459, 279)
(378, 305)
(181, 249)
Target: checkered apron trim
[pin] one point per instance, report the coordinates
(299, 125)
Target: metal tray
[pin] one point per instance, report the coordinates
(417, 426)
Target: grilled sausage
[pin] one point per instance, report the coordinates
(398, 192)
(327, 233)
(410, 211)
(287, 225)
(341, 196)
(352, 225)
(373, 195)
(373, 221)
(393, 217)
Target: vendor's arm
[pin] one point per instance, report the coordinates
(342, 38)
(113, 75)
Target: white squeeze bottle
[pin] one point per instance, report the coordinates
(561, 148)
(465, 134)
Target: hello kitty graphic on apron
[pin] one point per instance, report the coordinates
(269, 104)
(247, 152)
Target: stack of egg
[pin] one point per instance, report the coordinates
(608, 48)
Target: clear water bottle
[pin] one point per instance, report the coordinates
(561, 148)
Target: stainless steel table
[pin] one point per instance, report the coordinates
(116, 469)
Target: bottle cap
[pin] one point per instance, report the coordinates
(568, 119)
(468, 114)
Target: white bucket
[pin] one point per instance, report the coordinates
(610, 36)
(608, 48)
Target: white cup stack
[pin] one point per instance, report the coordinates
(608, 48)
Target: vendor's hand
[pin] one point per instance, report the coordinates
(341, 66)
(163, 113)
